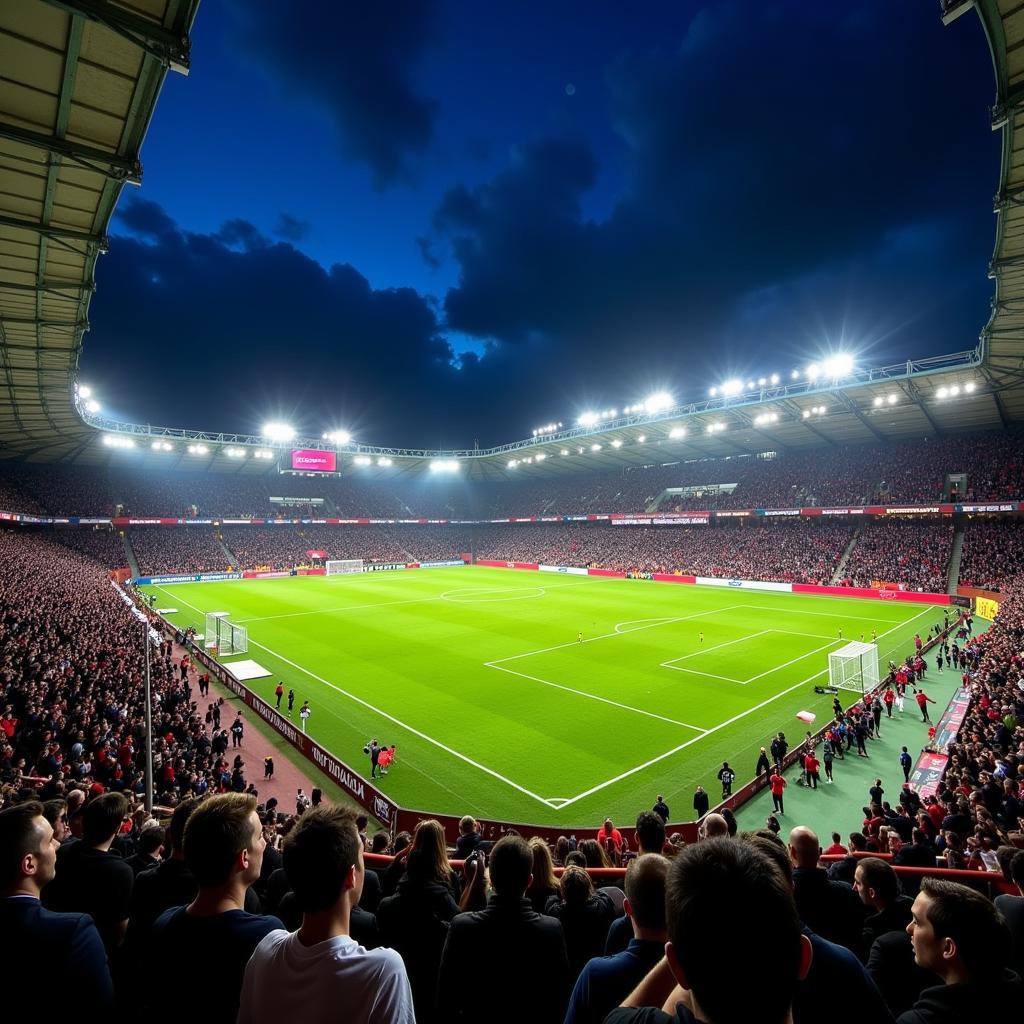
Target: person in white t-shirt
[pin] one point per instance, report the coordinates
(308, 974)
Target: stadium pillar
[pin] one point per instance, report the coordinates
(149, 720)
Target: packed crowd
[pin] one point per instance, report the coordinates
(916, 471)
(161, 549)
(914, 553)
(102, 544)
(993, 552)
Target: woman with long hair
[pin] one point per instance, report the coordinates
(544, 884)
(586, 916)
(594, 853)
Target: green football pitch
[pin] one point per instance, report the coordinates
(499, 710)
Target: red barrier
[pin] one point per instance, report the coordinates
(607, 572)
(880, 594)
(668, 577)
(490, 563)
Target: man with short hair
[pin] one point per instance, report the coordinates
(650, 839)
(91, 878)
(308, 974)
(505, 958)
(958, 935)
(147, 855)
(223, 847)
(661, 808)
(469, 837)
(710, 887)
(876, 884)
(701, 802)
(605, 981)
(67, 946)
(829, 908)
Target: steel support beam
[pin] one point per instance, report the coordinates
(915, 396)
(851, 406)
(172, 49)
(102, 241)
(111, 165)
(50, 286)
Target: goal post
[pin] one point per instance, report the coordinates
(854, 667)
(225, 635)
(342, 566)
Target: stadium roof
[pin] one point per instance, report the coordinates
(78, 87)
(80, 83)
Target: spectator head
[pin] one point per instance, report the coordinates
(575, 857)
(28, 850)
(957, 933)
(710, 886)
(804, 847)
(224, 842)
(875, 883)
(323, 859)
(645, 895)
(176, 829)
(575, 887)
(543, 867)
(561, 849)
(608, 826)
(103, 818)
(379, 842)
(858, 842)
(730, 820)
(594, 854)
(714, 826)
(151, 839)
(428, 858)
(650, 832)
(837, 839)
(402, 840)
(56, 813)
(1017, 870)
(467, 825)
(511, 866)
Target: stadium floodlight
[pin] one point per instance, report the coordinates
(954, 391)
(512, 463)
(337, 437)
(774, 378)
(879, 400)
(595, 447)
(444, 466)
(838, 365)
(617, 443)
(162, 446)
(766, 417)
(677, 432)
(84, 390)
(197, 449)
(540, 456)
(761, 381)
(275, 431)
(969, 387)
(750, 385)
(92, 406)
(363, 460)
(893, 398)
(806, 414)
(383, 461)
(813, 371)
(795, 375)
(642, 438)
(262, 453)
(235, 453)
(659, 401)
(565, 451)
(713, 392)
(732, 387)
(588, 419)
(942, 393)
(114, 441)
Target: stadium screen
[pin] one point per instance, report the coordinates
(309, 460)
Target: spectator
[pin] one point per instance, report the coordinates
(544, 885)
(701, 803)
(1012, 909)
(151, 841)
(605, 981)
(91, 878)
(70, 943)
(958, 935)
(223, 850)
(585, 914)
(506, 957)
(876, 884)
(308, 974)
(469, 837)
(661, 809)
(829, 908)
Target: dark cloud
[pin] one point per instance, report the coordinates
(290, 228)
(146, 219)
(240, 233)
(355, 59)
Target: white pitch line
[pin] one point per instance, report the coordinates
(717, 647)
(830, 615)
(606, 636)
(391, 718)
(592, 696)
(716, 728)
(710, 675)
(793, 661)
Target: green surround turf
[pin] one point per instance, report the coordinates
(498, 710)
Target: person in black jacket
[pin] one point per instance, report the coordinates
(876, 884)
(829, 908)
(505, 961)
(585, 915)
(958, 935)
(70, 945)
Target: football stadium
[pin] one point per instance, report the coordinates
(736, 641)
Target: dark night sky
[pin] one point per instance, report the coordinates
(434, 222)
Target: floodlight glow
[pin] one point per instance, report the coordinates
(197, 449)
(806, 414)
(713, 392)
(540, 456)
(338, 437)
(732, 387)
(235, 453)
(588, 419)
(812, 371)
(893, 399)
(838, 365)
(161, 446)
(761, 381)
(512, 463)
(383, 461)
(774, 378)
(658, 401)
(595, 447)
(565, 451)
(750, 385)
(795, 375)
(878, 401)
(278, 431)
(444, 466)
(262, 453)
(766, 417)
(114, 441)
(677, 432)
(363, 460)
(954, 391)
(942, 393)
(642, 438)
(92, 406)
(84, 390)
(969, 387)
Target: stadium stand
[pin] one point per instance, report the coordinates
(914, 552)
(161, 550)
(993, 553)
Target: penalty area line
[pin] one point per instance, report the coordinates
(391, 718)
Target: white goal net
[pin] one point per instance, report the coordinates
(223, 634)
(854, 667)
(340, 566)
